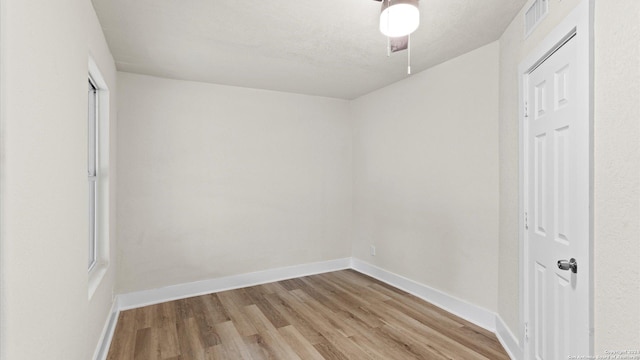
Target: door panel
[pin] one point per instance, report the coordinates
(561, 185)
(540, 155)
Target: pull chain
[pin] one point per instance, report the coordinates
(409, 54)
(388, 22)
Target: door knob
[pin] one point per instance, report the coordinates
(566, 265)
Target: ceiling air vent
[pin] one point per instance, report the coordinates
(534, 14)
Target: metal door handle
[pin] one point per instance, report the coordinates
(566, 265)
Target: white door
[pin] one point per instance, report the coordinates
(557, 226)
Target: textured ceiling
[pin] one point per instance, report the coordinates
(319, 47)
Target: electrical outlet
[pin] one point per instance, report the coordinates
(373, 250)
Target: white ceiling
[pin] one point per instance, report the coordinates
(319, 47)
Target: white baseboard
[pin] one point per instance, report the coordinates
(155, 296)
(107, 332)
(472, 313)
(509, 342)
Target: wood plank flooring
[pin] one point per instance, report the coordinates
(338, 315)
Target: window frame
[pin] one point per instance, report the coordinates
(100, 229)
(93, 155)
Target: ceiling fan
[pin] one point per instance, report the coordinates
(398, 19)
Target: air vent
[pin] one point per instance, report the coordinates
(534, 14)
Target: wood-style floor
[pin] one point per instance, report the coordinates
(339, 315)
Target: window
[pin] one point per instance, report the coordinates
(98, 177)
(92, 170)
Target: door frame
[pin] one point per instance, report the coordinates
(578, 26)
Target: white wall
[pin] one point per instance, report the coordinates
(217, 180)
(43, 183)
(426, 177)
(617, 175)
(616, 168)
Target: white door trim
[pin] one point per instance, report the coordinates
(578, 24)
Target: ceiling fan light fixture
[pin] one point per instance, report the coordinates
(399, 17)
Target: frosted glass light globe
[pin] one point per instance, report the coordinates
(400, 19)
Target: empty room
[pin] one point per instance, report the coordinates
(337, 179)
